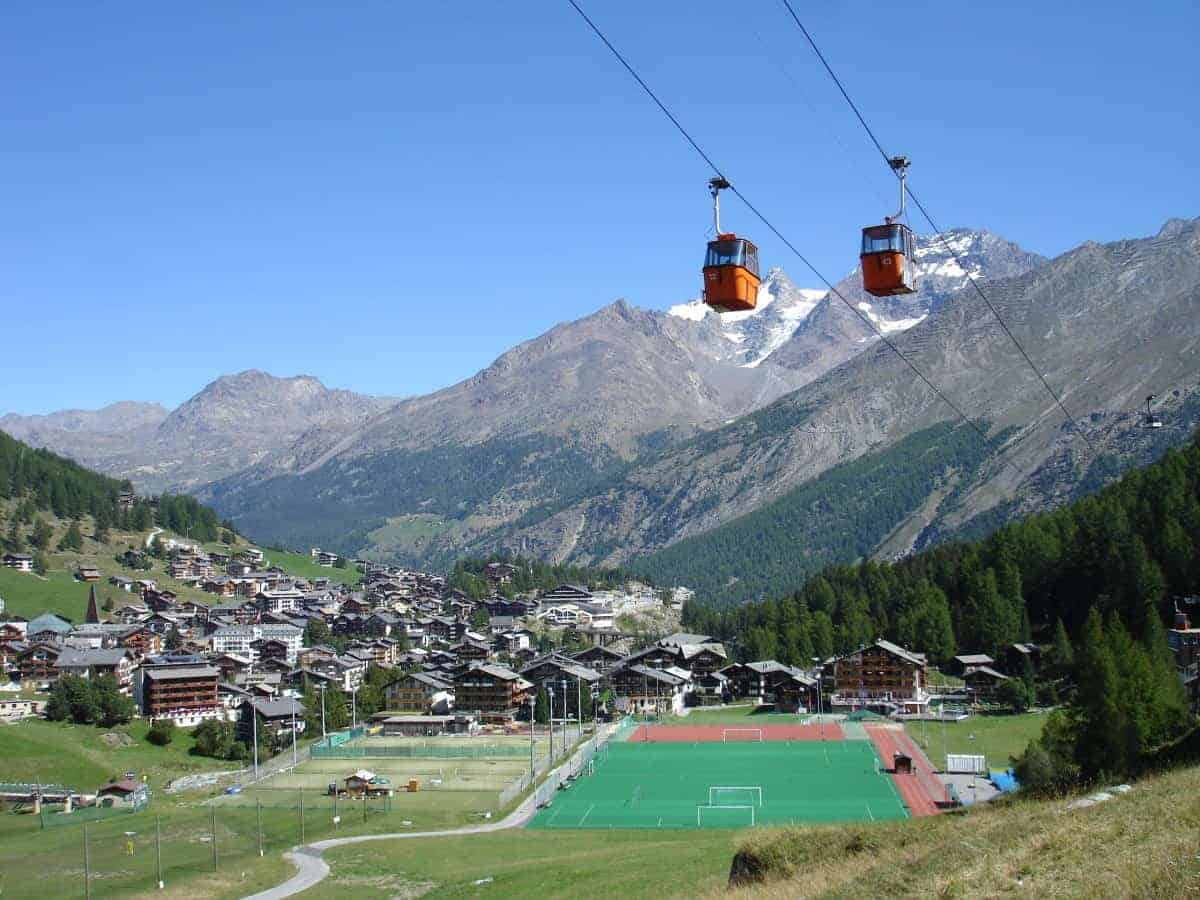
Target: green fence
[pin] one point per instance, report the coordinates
(421, 749)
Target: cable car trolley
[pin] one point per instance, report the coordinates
(887, 249)
(1152, 421)
(731, 264)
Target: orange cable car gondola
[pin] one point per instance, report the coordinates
(887, 249)
(730, 265)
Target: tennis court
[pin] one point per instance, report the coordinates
(726, 785)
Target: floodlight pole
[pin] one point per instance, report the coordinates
(563, 682)
(158, 851)
(254, 721)
(294, 732)
(532, 704)
(323, 734)
(550, 693)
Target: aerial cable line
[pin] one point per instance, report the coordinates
(941, 236)
(762, 218)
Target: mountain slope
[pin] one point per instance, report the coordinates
(833, 333)
(231, 424)
(1107, 324)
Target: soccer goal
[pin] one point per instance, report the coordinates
(741, 734)
(735, 795)
(724, 816)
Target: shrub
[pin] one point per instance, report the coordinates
(162, 732)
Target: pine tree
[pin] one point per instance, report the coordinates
(1062, 655)
(73, 539)
(1101, 739)
(42, 533)
(541, 707)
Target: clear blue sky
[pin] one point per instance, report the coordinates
(388, 195)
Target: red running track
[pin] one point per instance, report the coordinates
(920, 791)
(716, 733)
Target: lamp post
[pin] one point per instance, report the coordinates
(563, 682)
(322, 686)
(550, 695)
(532, 704)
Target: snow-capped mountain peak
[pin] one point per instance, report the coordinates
(754, 334)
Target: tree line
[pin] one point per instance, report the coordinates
(530, 575)
(1128, 550)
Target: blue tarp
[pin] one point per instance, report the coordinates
(1004, 781)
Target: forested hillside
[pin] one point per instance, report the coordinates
(842, 514)
(1127, 550)
(39, 481)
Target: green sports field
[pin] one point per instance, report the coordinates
(713, 785)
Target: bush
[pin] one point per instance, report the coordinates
(162, 732)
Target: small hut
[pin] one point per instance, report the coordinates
(902, 763)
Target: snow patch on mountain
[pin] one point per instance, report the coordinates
(890, 326)
(755, 334)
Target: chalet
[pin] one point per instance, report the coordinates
(748, 681)
(364, 783)
(416, 691)
(125, 792)
(1015, 656)
(597, 657)
(472, 650)
(277, 716)
(22, 562)
(960, 664)
(254, 555)
(47, 627)
(36, 663)
(567, 592)
(502, 606)
(983, 681)
(646, 689)
(493, 692)
(12, 631)
(87, 573)
(882, 676)
(709, 689)
(222, 586)
(499, 573)
(325, 559)
(511, 641)
(121, 583)
(794, 691)
(96, 663)
(141, 641)
(563, 674)
(185, 693)
(695, 653)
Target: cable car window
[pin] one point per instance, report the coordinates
(890, 240)
(752, 258)
(726, 253)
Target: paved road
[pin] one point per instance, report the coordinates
(152, 535)
(311, 869)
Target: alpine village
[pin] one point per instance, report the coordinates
(884, 586)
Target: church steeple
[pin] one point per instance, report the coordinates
(93, 611)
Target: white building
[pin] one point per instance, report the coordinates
(240, 639)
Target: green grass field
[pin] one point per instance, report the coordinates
(79, 757)
(303, 565)
(996, 737)
(524, 863)
(666, 785)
